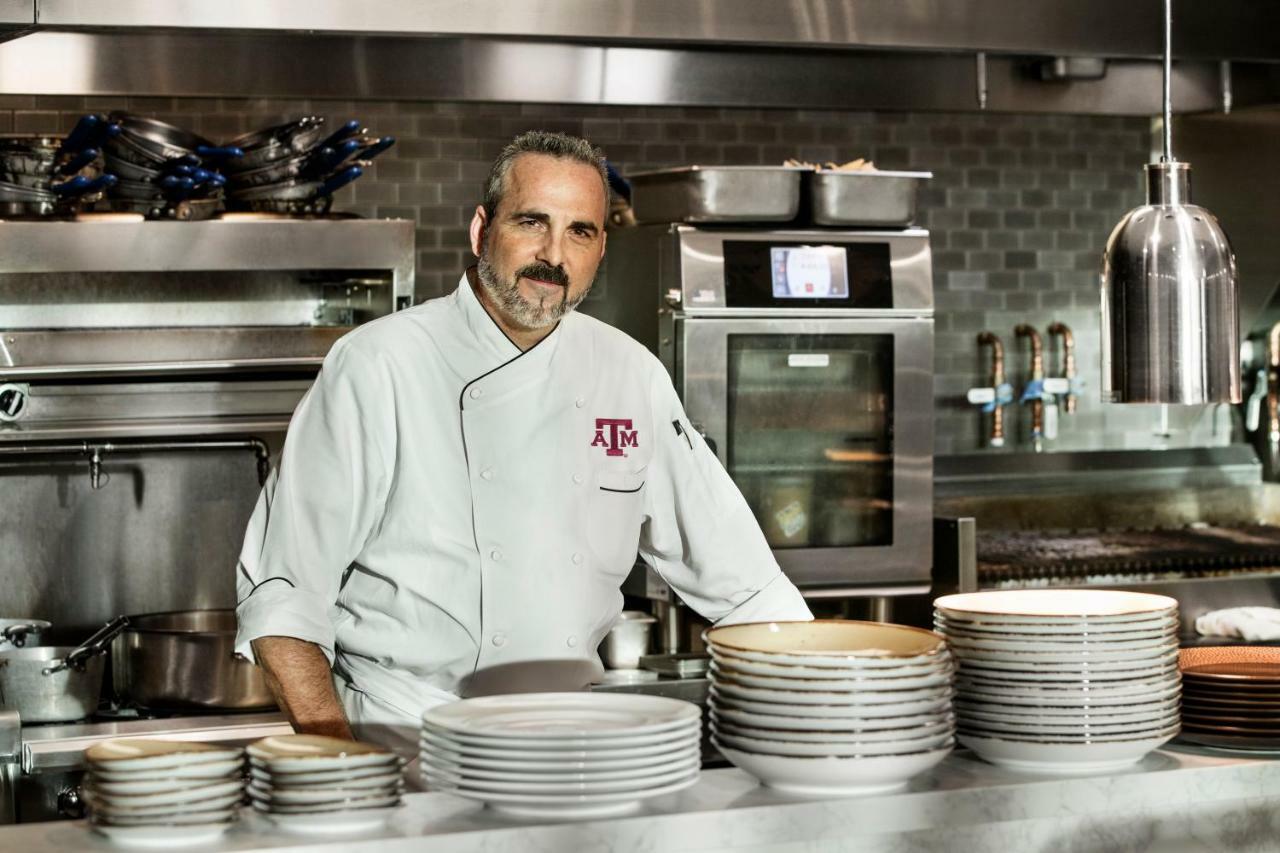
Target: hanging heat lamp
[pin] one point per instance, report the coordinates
(1170, 297)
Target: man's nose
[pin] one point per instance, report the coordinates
(551, 252)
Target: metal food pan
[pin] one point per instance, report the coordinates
(717, 194)
(865, 198)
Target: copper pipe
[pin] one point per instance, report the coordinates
(1068, 358)
(997, 379)
(1022, 330)
(1273, 385)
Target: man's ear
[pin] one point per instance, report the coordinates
(604, 238)
(479, 222)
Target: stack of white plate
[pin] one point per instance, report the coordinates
(160, 793)
(1063, 680)
(310, 783)
(831, 707)
(562, 754)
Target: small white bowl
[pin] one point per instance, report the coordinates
(1067, 758)
(827, 642)
(170, 796)
(827, 776)
(1056, 605)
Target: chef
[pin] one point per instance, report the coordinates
(468, 482)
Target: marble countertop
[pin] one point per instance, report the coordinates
(1180, 799)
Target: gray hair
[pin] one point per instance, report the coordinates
(559, 145)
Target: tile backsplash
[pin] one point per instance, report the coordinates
(1019, 210)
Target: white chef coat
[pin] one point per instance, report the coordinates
(447, 503)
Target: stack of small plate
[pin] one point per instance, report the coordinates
(831, 707)
(1063, 680)
(160, 793)
(1231, 697)
(563, 755)
(310, 783)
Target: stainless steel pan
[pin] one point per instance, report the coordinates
(183, 660)
(17, 633)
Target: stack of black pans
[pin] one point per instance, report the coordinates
(295, 168)
(45, 176)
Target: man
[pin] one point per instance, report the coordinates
(468, 481)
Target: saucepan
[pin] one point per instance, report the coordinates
(184, 660)
(56, 684)
(17, 633)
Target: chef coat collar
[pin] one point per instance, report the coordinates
(493, 350)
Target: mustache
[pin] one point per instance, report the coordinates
(544, 272)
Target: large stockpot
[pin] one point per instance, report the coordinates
(30, 685)
(186, 659)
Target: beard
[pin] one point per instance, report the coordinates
(527, 313)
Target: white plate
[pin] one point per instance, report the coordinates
(940, 662)
(849, 698)
(163, 837)
(1053, 738)
(303, 796)
(872, 684)
(568, 765)
(955, 632)
(122, 754)
(560, 744)
(844, 709)
(184, 818)
(1050, 731)
(1064, 757)
(1078, 647)
(312, 753)
(576, 715)
(443, 780)
(1056, 605)
(691, 762)
(817, 661)
(1147, 691)
(151, 786)
(321, 780)
(569, 805)
(204, 770)
(187, 794)
(213, 804)
(729, 727)
(972, 670)
(1162, 663)
(677, 741)
(1023, 713)
(1002, 627)
(823, 725)
(323, 823)
(1063, 698)
(1156, 656)
(826, 776)
(842, 750)
(329, 807)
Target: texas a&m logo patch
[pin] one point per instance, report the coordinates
(613, 434)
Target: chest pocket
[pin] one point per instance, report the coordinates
(617, 501)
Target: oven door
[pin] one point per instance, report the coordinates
(826, 425)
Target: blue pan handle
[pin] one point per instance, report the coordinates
(349, 129)
(338, 181)
(326, 158)
(377, 148)
(77, 162)
(80, 185)
(226, 152)
(82, 135)
(181, 165)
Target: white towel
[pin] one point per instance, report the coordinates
(1248, 623)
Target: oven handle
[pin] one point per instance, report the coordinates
(156, 368)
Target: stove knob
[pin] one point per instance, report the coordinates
(13, 401)
(70, 803)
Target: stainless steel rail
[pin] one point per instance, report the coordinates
(98, 451)
(152, 368)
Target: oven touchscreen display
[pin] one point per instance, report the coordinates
(809, 272)
(786, 274)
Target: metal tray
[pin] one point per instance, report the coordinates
(686, 665)
(717, 194)
(864, 198)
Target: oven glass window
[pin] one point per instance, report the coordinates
(810, 436)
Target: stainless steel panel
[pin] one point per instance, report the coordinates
(701, 264)
(18, 12)
(1227, 28)
(705, 392)
(389, 68)
(870, 198)
(717, 194)
(116, 347)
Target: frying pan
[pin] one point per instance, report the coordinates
(281, 142)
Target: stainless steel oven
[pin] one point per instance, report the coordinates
(806, 359)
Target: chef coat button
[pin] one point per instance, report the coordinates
(499, 640)
(477, 393)
(571, 641)
(486, 474)
(495, 555)
(577, 479)
(580, 402)
(577, 559)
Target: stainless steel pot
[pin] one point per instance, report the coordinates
(17, 633)
(30, 686)
(186, 659)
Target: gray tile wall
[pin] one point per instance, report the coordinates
(1019, 209)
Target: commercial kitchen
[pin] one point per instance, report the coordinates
(974, 301)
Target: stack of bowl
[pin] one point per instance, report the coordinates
(160, 793)
(311, 783)
(831, 707)
(1063, 680)
(1231, 697)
